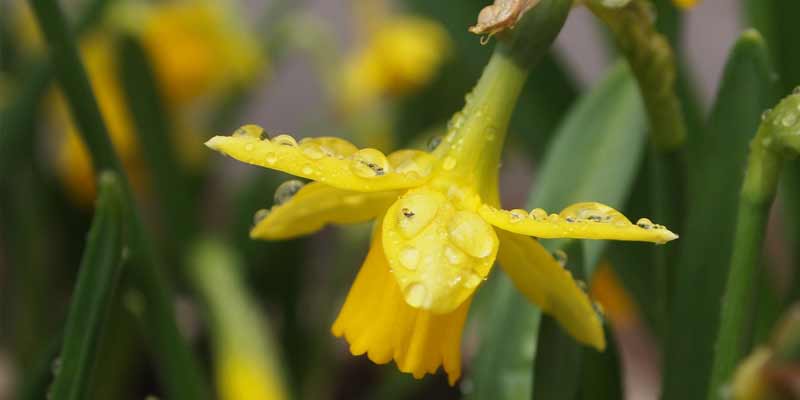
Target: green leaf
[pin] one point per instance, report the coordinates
(181, 372)
(593, 156)
(154, 133)
(717, 159)
(91, 300)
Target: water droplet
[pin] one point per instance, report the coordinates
(765, 114)
(471, 234)
(553, 218)
(457, 120)
(311, 149)
(796, 90)
(454, 256)
(260, 215)
(409, 257)
(449, 163)
(416, 211)
(538, 214)
(248, 147)
(593, 212)
(249, 131)
(285, 140)
(561, 257)
(789, 119)
(287, 190)
(455, 280)
(644, 223)
(417, 295)
(369, 163)
(517, 215)
(272, 158)
(433, 143)
(307, 169)
(471, 279)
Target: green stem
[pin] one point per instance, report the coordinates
(653, 63)
(91, 303)
(776, 138)
(182, 377)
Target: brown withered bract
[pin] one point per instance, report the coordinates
(501, 15)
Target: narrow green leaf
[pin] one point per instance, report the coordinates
(91, 300)
(181, 373)
(593, 157)
(154, 133)
(717, 158)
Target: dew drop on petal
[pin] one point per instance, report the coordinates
(593, 212)
(644, 223)
(433, 143)
(409, 257)
(285, 140)
(538, 214)
(471, 234)
(287, 190)
(248, 147)
(249, 131)
(307, 169)
(765, 114)
(272, 158)
(796, 90)
(311, 150)
(369, 163)
(449, 163)
(454, 256)
(415, 212)
(471, 279)
(417, 295)
(260, 215)
(517, 215)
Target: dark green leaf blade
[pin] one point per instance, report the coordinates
(97, 280)
(717, 158)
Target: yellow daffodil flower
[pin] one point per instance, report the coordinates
(439, 229)
(685, 4)
(402, 55)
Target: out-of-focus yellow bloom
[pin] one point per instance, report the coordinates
(438, 230)
(402, 55)
(685, 4)
(748, 380)
(197, 49)
(241, 377)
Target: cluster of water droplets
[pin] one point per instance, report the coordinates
(581, 213)
(283, 193)
(364, 163)
(784, 121)
(453, 247)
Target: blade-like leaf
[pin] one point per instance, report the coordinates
(593, 156)
(717, 159)
(97, 280)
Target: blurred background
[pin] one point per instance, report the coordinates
(185, 71)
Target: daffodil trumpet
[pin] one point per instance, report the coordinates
(439, 225)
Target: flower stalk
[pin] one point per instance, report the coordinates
(653, 63)
(777, 138)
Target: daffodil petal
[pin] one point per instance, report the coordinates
(438, 254)
(316, 205)
(578, 221)
(332, 161)
(376, 320)
(550, 286)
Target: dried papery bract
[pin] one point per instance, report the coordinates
(501, 15)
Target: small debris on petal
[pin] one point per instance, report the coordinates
(500, 16)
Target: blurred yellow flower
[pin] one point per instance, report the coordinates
(197, 49)
(438, 229)
(243, 377)
(403, 54)
(686, 4)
